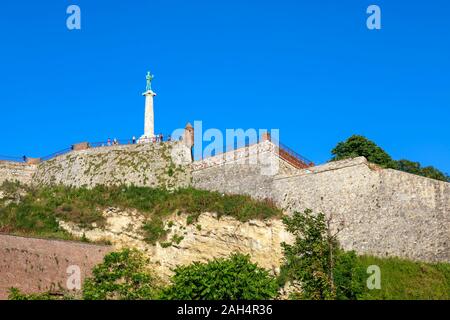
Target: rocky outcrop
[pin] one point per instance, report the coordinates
(203, 240)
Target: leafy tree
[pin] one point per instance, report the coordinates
(433, 173)
(123, 275)
(235, 278)
(408, 166)
(308, 259)
(416, 168)
(315, 260)
(357, 146)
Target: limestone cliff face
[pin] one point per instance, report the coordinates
(205, 239)
(152, 165)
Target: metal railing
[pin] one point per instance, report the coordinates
(156, 139)
(283, 149)
(107, 143)
(294, 154)
(56, 154)
(11, 159)
(117, 142)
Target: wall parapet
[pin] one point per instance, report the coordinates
(241, 155)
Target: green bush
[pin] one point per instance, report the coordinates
(235, 278)
(123, 275)
(349, 275)
(154, 230)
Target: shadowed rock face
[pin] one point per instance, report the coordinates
(37, 265)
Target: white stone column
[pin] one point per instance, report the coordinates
(149, 122)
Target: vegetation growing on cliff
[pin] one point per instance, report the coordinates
(356, 146)
(39, 209)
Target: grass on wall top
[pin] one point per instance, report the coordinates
(34, 211)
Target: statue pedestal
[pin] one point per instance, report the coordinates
(149, 121)
(146, 139)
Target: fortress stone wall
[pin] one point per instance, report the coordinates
(151, 165)
(249, 170)
(382, 212)
(38, 265)
(16, 171)
(378, 211)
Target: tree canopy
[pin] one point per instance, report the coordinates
(356, 146)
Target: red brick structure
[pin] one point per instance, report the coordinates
(80, 146)
(38, 265)
(33, 160)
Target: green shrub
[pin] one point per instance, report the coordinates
(123, 275)
(177, 239)
(234, 278)
(154, 230)
(349, 275)
(191, 219)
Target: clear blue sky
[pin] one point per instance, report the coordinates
(310, 68)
